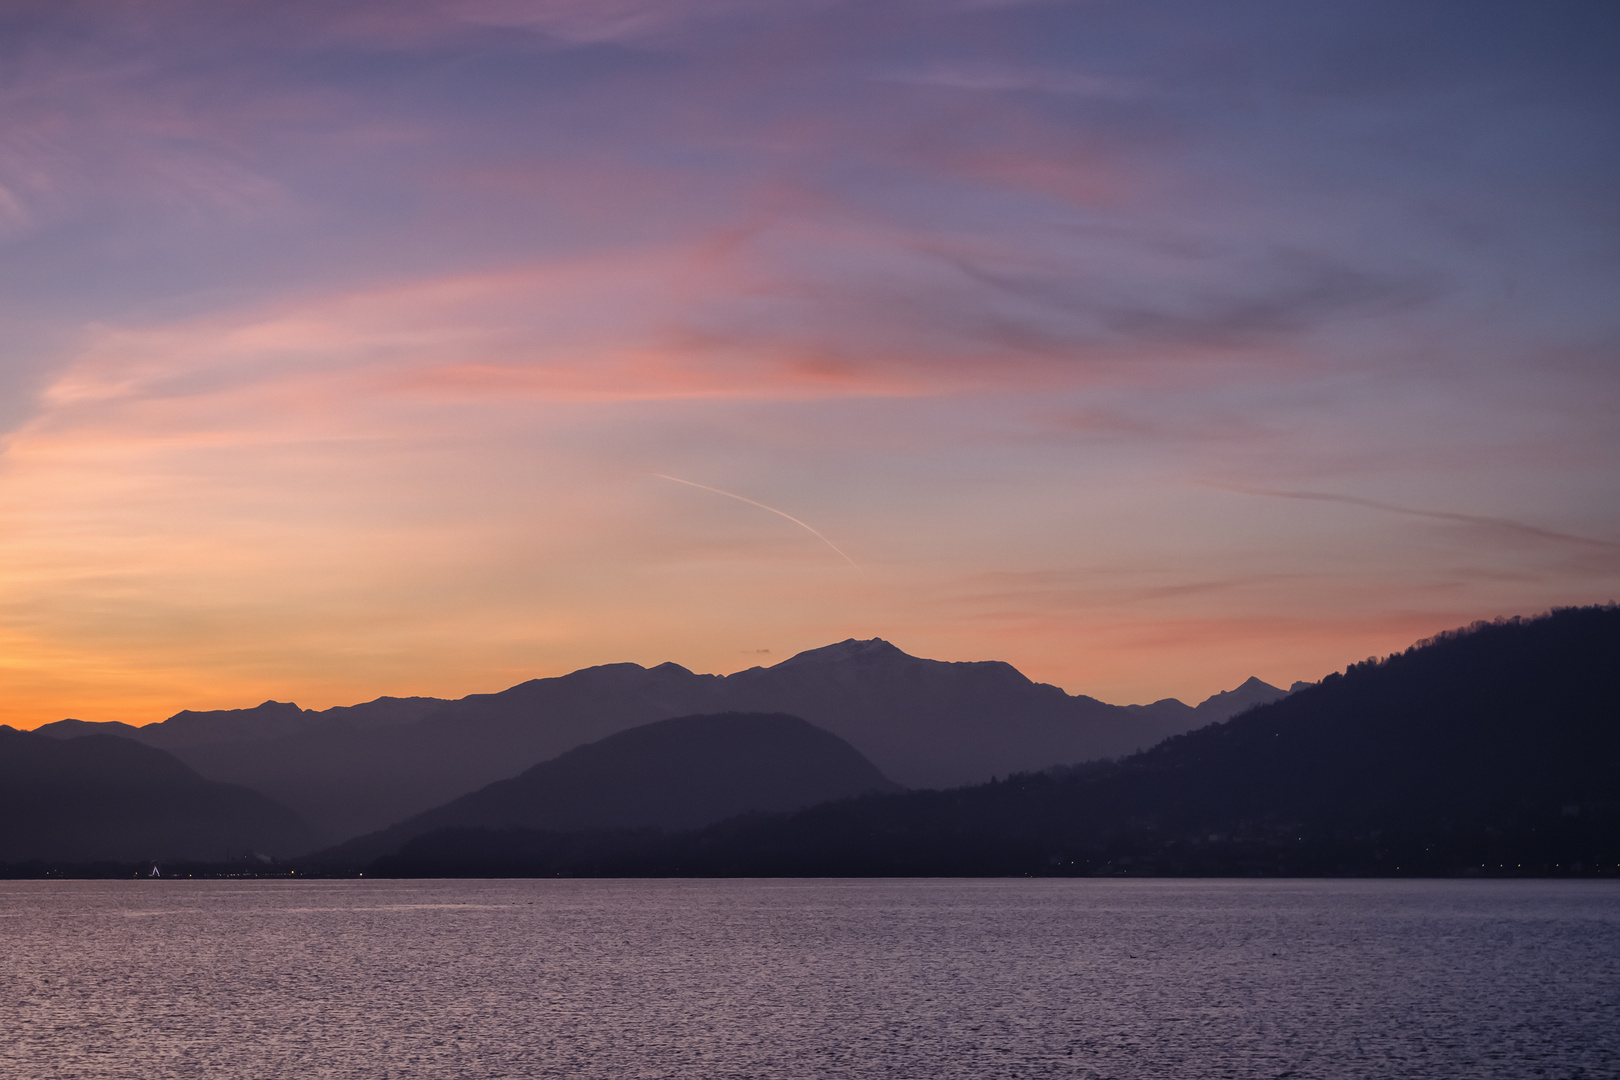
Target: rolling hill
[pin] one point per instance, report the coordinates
(673, 774)
(107, 798)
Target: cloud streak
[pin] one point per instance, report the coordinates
(1507, 525)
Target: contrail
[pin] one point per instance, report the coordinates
(762, 506)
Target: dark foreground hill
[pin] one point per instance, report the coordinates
(675, 774)
(106, 798)
(1494, 750)
(923, 723)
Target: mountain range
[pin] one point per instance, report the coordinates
(1490, 751)
(1495, 749)
(355, 769)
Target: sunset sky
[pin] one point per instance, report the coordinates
(350, 349)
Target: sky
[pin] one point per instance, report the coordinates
(427, 346)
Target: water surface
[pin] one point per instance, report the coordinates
(859, 979)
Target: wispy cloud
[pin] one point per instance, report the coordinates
(1486, 522)
(337, 341)
(1021, 79)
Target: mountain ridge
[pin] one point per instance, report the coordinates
(924, 723)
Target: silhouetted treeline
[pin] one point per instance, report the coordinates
(1494, 750)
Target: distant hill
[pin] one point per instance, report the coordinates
(674, 774)
(106, 798)
(1494, 750)
(923, 723)
(189, 729)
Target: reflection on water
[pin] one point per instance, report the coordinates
(949, 979)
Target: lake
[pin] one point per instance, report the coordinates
(722, 979)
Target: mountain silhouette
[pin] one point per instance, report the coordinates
(923, 723)
(1491, 750)
(674, 774)
(107, 798)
